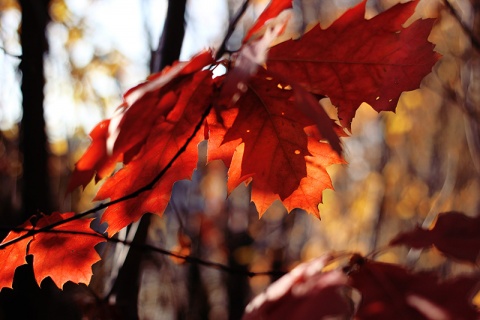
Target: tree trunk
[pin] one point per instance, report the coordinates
(33, 139)
(171, 40)
(27, 300)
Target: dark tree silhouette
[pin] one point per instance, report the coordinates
(33, 139)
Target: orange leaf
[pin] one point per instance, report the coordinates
(163, 140)
(183, 247)
(13, 256)
(281, 151)
(62, 254)
(122, 137)
(65, 252)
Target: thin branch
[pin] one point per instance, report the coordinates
(471, 34)
(231, 29)
(186, 258)
(10, 54)
(129, 196)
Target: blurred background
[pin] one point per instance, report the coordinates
(403, 168)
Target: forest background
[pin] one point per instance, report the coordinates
(403, 169)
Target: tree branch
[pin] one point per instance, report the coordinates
(186, 258)
(231, 29)
(170, 42)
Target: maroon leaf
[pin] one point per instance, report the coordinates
(392, 292)
(454, 234)
(304, 293)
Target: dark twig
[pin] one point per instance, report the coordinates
(231, 28)
(190, 259)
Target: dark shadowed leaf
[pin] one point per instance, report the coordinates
(305, 293)
(454, 234)
(392, 292)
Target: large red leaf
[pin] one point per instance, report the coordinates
(13, 256)
(64, 253)
(151, 102)
(391, 292)
(267, 139)
(304, 293)
(454, 234)
(144, 106)
(357, 60)
(168, 133)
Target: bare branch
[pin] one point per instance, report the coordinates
(190, 259)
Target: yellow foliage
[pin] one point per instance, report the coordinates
(59, 11)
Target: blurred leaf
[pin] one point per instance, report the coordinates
(392, 292)
(454, 234)
(305, 293)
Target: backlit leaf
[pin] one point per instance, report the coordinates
(357, 60)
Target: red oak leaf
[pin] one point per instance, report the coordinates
(65, 252)
(159, 95)
(122, 137)
(270, 12)
(357, 60)
(165, 137)
(13, 255)
(391, 292)
(280, 148)
(454, 234)
(304, 293)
